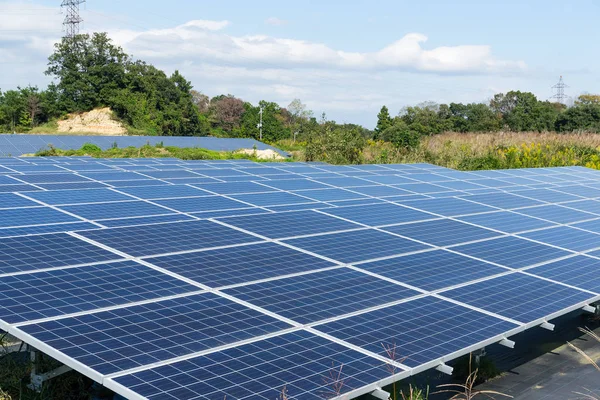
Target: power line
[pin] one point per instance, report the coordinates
(72, 17)
(560, 95)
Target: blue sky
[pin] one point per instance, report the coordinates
(345, 58)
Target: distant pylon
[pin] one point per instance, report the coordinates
(559, 89)
(72, 18)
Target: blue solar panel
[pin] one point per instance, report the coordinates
(163, 192)
(422, 188)
(512, 252)
(331, 194)
(557, 214)
(199, 204)
(547, 195)
(52, 178)
(235, 188)
(47, 251)
(9, 200)
(124, 338)
(294, 184)
(345, 182)
(33, 216)
(235, 265)
(116, 210)
(40, 229)
(432, 270)
(271, 199)
(72, 185)
(507, 221)
(303, 364)
(52, 293)
(580, 190)
(113, 223)
(519, 297)
(357, 246)
(281, 225)
(567, 238)
(389, 179)
(7, 180)
(17, 188)
(78, 196)
(579, 271)
(503, 200)
(114, 176)
(450, 207)
(591, 206)
(442, 232)
(380, 214)
(321, 295)
(418, 331)
(168, 238)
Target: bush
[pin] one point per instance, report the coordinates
(90, 148)
(401, 136)
(335, 144)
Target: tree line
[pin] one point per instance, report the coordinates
(514, 111)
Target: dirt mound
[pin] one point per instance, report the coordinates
(267, 154)
(97, 121)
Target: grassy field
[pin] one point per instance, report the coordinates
(477, 151)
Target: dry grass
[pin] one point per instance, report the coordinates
(479, 143)
(589, 395)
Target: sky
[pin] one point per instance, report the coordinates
(345, 58)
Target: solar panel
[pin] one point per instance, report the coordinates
(300, 362)
(38, 295)
(48, 251)
(418, 331)
(282, 225)
(432, 270)
(159, 291)
(240, 264)
(168, 238)
(314, 297)
(520, 297)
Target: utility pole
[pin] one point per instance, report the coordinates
(260, 124)
(72, 18)
(560, 95)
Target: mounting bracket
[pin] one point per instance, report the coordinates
(38, 379)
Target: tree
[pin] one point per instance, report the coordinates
(299, 115)
(273, 122)
(401, 136)
(90, 71)
(227, 112)
(335, 144)
(201, 101)
(384, 121)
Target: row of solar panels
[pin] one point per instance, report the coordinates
(18, 144)
(311, 277)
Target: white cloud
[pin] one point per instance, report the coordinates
(276, 21)
(258, 67)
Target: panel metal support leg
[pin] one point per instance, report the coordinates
(446, 369)
(38, 379)
(590, 309)
(548, 326)
(381, 394)
(479, 354)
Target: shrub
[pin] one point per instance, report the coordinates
(90, 148)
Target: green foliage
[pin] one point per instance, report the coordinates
(335, 144)
(90, 148)
(401, 136)
(384, 122)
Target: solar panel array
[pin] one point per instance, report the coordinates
(171, 279)
(18, 144)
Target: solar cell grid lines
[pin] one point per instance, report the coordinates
(284, 269)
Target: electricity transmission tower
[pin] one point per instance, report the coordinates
(559, 89)
(72, 18)
(260, 124)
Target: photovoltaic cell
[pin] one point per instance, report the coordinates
(503, 200)
(235, 265)
(30, 253)
(168, 238)
(125, 338)
(579, 271)
(59, 197)
(300, 362)
(519, 297)
(432, 270)
(512, 252)
(235, 188)
(450, 207)
(507, 221)
(33, 216)
(114, 223)
(380, 214)
(200, 204)
(164, 192)
(116, 210)
(40, 229)
(321, 295)
(52, 178)
(10, 200)
(57, 292)
(282, 225)
(294, 184)
(558, 214)
(567, 238)
(442, 232)
(421, 330)
(355, 246)
(271, 199)
(331, 194)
